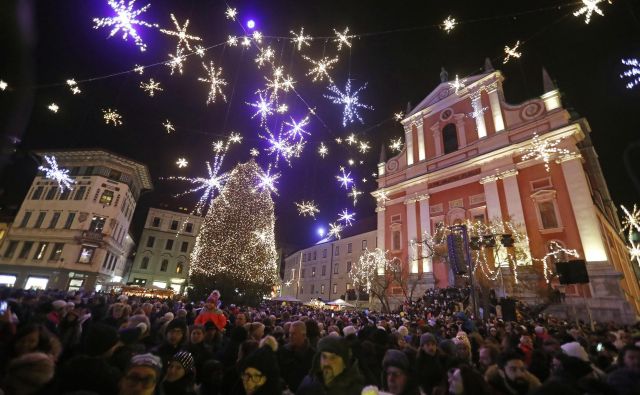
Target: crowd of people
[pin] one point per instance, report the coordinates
(61, 343)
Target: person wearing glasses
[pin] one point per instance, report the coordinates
(142, 375)
(260, 373)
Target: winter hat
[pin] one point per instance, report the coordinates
(427, 338)
(58, 304)
(100, 338)
(403, 331)
(137, 320)
(396, 358)
(177, 324)
(168, 317)
(123, 298)
(335, 345)
(349, 330)
(148, 360)
(185, 359)
(71, 305)
(575, 349)
(33, 370)
(131, 335)
(264, 360)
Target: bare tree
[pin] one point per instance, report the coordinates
(375, 273)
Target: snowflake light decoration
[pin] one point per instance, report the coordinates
(278, 83)
(382, 197)
(350, 100)
(351, 139)
(73, 86)
(396, 144)
(321, 68)
(335, 230)
(53, 172)
(168, 126)
(138, 69)
(300, 39)
(264, 108)
(254, 152)
(511, 52)
(150, 87)
(345, 179)
(543, 150)
(257, 37)
(449, 24)
(478, 110)
(342, 38)
(457, 84)
(181, 33)
(265, 55)
(588, 8)
(231, 13)
(215, 81)
(354, 194)
(125, 19)
(182, 163)
(53, 107)
(631, 224)
(111, 116)
(232, 41)
(363, 147)
(323, 150)
(398, 116)
(307, 208)
(267, 181)
(235, 137)
(246, 42)
(3, 85)
(200, 50)
(346, 217)
(176, 61)
(633, 72)
(297, 129)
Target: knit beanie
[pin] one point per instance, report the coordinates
(427, 338)
(396, 358)
(148, 360)
(403, 331)
(335, 345)
(349, 330)
(575, 349)
(177, 324)
(100, 338)
(32, 370)
(137, 319)
(264, 360)
(185, 359)
(58, 304)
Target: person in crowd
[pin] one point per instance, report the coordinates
(510, 376)
(397, 374)
(625, 379)
(179, 379)
(487, 357)
(333, 370)
(260, 373)
(430, 363)
(175, 337)
(464, 380)
(296, 357)
(142, 377)
(200, 351)
(210, 378)
(29, 374)
(211, 312)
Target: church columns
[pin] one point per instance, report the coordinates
(421, 147)
(412, 235)
(408, 139)
(425, 226)
(491, 197)
(494, 104)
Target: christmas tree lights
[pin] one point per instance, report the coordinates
(125, 19)
(56, 173)
(236, 239)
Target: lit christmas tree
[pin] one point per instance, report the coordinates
(235, 249)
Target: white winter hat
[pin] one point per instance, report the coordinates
(403, 331)
(349, 330)
(59, 304)
(575, 349)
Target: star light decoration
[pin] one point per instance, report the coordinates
(631, 224)
(73, 86)
(398, 116)
(265, 55)
(200, 50)
(215, 81)
(345, 179)
(335, 230)
(53, 172)
(257, 37)
(278, 83)
(633, 72)
(150, 87)
(307, 208)
(208, 185)
(342, 38)
(111, 116)
(396, 144)
(53, 107)
(300, 39)
(168, 126)
(296, 129)
(231, 13)
(323, 150)
(544, 150)
(449, 24)
(350, 100)
(265, 108)
(478, 110)
(511, 52)
(232, 41)
(354, 194)
(182, 163)
(281, 147)
(363, 147)
(457, 84)
(321, 68)
(3, 85)
(181, 33)
(254, 152)
(267, 181)
(346, 217)
(588, 8)
(125, 19)
(176, 61)
(138, 69)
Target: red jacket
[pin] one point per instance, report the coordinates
(215, 316)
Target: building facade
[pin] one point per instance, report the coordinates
(465, 159)
(78, 238)
(322, 270)
(162, 258)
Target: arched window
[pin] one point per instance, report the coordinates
(179, 268)
(450, 138)
(163, 266)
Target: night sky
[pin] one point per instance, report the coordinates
(399, 55)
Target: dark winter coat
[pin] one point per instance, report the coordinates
(349, 382)
(295, 364)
